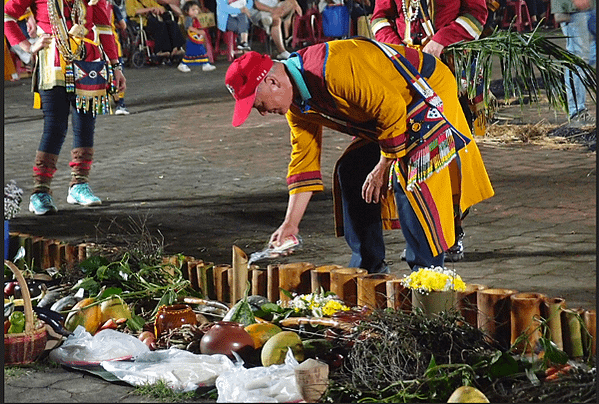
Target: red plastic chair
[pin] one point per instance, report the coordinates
(519, 9)
(307, 29)
(231, 51)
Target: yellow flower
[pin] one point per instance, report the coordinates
(333, 306)
(435, 278)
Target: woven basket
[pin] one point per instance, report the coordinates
(24, 347)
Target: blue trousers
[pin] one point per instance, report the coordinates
(56, 106)
(362, 222)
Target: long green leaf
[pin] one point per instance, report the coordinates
(523, 58)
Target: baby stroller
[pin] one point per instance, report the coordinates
(141, 46)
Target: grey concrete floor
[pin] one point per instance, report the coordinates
(177, 163)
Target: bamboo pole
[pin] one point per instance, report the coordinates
(190, 274)
(294, 278)
(345, 285)
(525, 315)
(259, 281)
(494, 315)
(572, 332)
(320, 277)
(398, 296)
(372, 290)
(205, 275)
(221, 282)
(590, 322)
(552, 309)
(239, 274)
(70, 254)
(466, 303)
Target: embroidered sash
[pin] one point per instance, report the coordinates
(433, 141)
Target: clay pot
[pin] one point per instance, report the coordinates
(171, 317)
(435, 302)
(467, 303)
(372, 290)
(525, 321)
(226, 337)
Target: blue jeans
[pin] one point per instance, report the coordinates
(239, 23)
(581, 43)
(56, 106)
(362, 223)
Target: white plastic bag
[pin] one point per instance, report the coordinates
(81, 348)
(271, 384)
(181, 370)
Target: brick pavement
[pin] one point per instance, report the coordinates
(206, 186)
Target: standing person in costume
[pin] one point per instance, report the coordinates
(67, 31)
(118, 20)
(195, 51)
(411, 140)
(431, 29)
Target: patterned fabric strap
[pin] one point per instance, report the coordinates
(433, 142)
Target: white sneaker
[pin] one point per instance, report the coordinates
(207, 67)
(121, 110)
(283, 55)
(183, 68)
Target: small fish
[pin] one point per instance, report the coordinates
(66, 303)
(50, 297)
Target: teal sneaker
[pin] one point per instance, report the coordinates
(41, 203)
(82, 194)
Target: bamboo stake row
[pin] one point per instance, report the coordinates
(506, 316)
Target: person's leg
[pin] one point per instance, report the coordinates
(55, 107)
(244, 29)
(418, 251)
(82, 156)
(578, 42)
(362, 223)
(175, 37)
(239, 24)
(157, 30)
(277, 34)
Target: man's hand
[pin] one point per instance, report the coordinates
(434, 48)
(31, 26)
(376, 184)
(43, 41)
(121, 82)
(284, 231)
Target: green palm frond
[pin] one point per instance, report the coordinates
(523, 57)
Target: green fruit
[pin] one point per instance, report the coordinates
(275, 349)
(114, 308)
(467, 394)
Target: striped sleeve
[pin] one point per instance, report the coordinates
(304, 173)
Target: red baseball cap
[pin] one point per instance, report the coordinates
(242, 79)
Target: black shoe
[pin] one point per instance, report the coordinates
(244, 46)
(456, 252)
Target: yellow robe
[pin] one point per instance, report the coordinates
(362, 87)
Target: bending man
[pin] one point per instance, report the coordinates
(415, 147)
